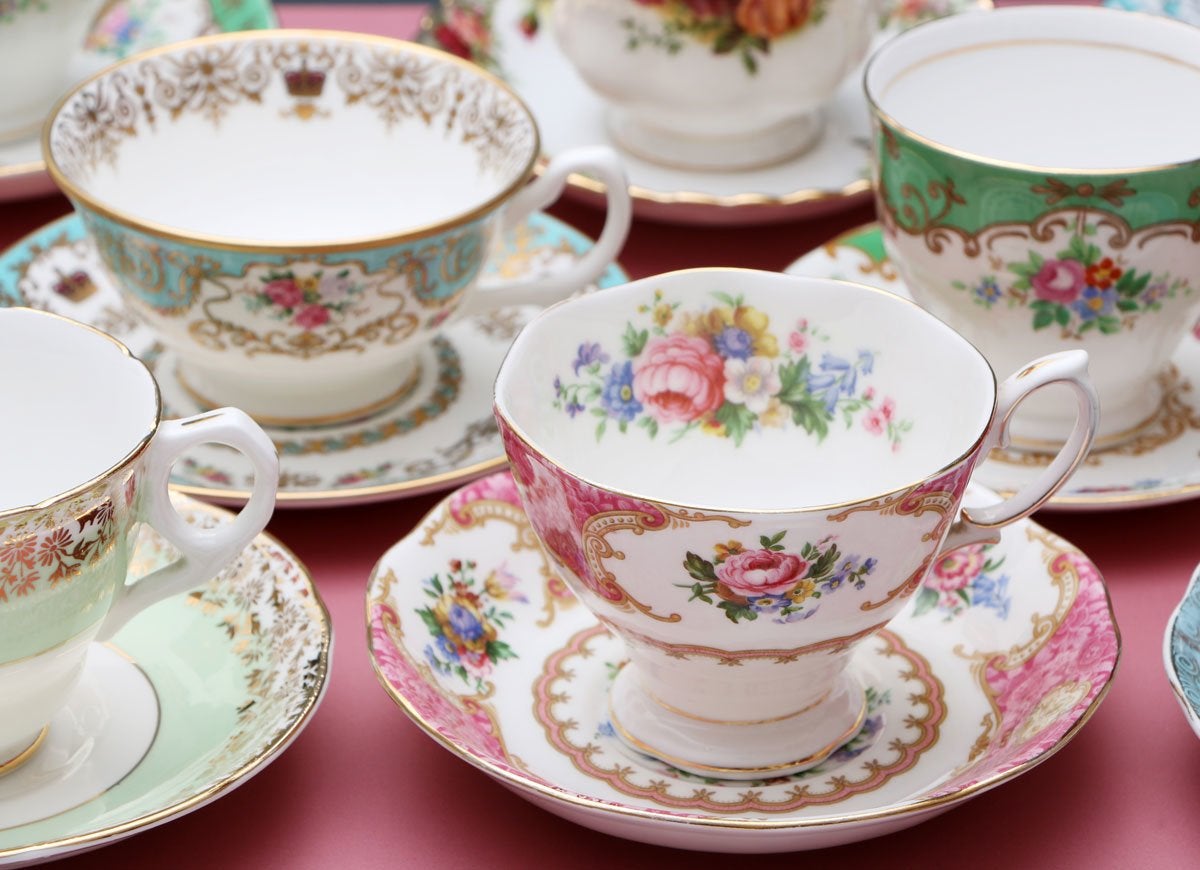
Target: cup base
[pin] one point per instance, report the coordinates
(745, 151)
(16, 761)
(322, 412)
(736, 749)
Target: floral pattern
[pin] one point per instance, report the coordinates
(10, 9)
(741, 28)
(723, 370)
(966, 577)
(464, 29)
(122, 27)
(465, 621)
(1081, 289)
(308, 302)
(769, 581)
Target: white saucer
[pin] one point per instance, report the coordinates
(996, 664)
(1158, 467)
(441, 434)
(125, 27)
(831, 176)
(188, 701)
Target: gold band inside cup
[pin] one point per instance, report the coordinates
(406, 389)
(684, 713)
(767, 770)
(25, 754)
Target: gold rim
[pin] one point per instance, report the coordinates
(526, 783)
(123, 463)
(25, 754)
(279, 741)
(890, 121)
(225, 243)
(936, 324)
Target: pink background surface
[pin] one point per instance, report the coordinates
(362, 787)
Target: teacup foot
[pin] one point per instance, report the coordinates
(737, 749)
(16, 761)
(676, 150)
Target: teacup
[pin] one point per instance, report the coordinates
(37, 41)
(744, 475)
(1068, 219)
(732, 84)
(296, 212)
(84, 460)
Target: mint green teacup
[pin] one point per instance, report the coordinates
(84, 459)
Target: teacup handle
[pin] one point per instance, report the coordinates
(599, 161)
(203, 552)
(981, 524)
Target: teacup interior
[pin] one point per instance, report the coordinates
(1040, 86)
(75, 403)
(294, 138)
(742, 390)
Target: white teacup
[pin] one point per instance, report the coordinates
(715, 85)
(84, 460)
(1027, 223)
(296, 212)
(37, 40)
(743, 468)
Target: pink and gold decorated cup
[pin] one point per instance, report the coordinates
(744, 474)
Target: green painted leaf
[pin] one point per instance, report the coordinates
(1042, 318)
(699, 568)
(927, 599)
(737, 420)
(601, 427)
(738, 611)
(498, 650)
(634, 340)
(1109, 325)
(1062, 316)
(430, 621)
(436, 584)
(1127, 305)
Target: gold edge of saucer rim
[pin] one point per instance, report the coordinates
(542, 791)
(276, 746)
(812, 196)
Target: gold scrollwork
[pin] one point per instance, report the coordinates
(596, 548)
(1055, 190)
(913, 503)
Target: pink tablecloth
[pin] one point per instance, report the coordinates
(362, 787)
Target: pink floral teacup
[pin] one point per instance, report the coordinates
(744, 474)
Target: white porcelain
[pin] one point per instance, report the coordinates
(746, 463)
(300, 282)
(831, 176)
(1156, 467)
(38, 39)
(696, 101)
(1011, 220)
(84, 462)
(1005, 653)
(1181, 652)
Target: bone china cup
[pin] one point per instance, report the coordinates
(1038, 182)
(84, 459)
(743, 474)
(296, 212)
(37, 41)
(715, 85)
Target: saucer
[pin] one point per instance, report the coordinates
(122, 28)
(1157, 467)
(439, 435)
(833, 175)
(137, 744)
(994, 666)
(1181, 652)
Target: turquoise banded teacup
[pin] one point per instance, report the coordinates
(296, 212)
(84, 461)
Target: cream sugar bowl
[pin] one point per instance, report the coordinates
(37, 41)
(86, 461)
(743, 474)
(1027, 201)
(715, 84)
(296, 212)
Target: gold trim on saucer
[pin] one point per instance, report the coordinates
(25, 754)
(738, 722)
(405, 391)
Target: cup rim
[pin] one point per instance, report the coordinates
(519, 432)
(227, 243)
(124, 462)
(1029, 11)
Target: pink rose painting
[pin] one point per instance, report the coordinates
(283, 292)
(761, 572)
(1059, 281)
(679, 379)
(306, 301)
